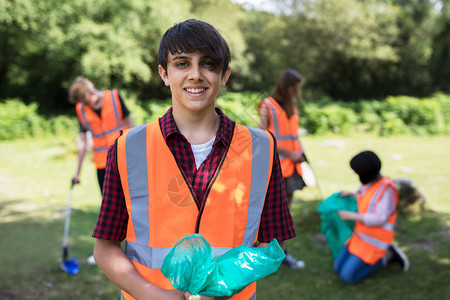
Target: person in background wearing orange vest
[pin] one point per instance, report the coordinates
(278, 114)
(104, 114)
(371, 244)
(193, 170)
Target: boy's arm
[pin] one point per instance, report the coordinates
(120, 270)
(282, 245)
(276, 220)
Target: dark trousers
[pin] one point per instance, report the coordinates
(101, 178)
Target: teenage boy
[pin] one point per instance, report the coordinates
(192, 171)
(104, 114)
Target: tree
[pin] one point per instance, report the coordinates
(46, 44)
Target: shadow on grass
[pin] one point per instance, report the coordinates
(32, 252)
(424, 237)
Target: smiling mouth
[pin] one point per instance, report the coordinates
(196, 91)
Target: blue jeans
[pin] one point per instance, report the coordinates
(351, 268)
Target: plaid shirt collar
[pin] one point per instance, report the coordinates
(224, 133)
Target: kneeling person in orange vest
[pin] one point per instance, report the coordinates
(193, 170)
(371, 244)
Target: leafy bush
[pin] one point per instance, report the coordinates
(18, 120)
(63, 124)
(421, 116)
(391, 124)
(393, 116)
(331, 118)
(241, 107)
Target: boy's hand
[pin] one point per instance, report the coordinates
(189, 296)
(75, 180)
(297, 157)
(346, 193)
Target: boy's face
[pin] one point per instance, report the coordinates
(91, 98)
(193, 80)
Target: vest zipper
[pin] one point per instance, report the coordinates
(188, 184)
(208, 189)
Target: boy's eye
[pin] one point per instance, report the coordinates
(210, 64)
(181, 64)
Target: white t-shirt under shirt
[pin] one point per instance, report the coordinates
(202, 151)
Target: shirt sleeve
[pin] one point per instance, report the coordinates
(113, 217)
(82, 129)
(125, 110)
(384, 209)
(276, 220)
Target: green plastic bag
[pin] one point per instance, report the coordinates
(190, 267)
(335, 230)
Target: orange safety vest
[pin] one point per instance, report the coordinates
(104, 129)
(161, 205)
(285, 130)
(370, 243)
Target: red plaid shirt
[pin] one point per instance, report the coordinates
(276, 220)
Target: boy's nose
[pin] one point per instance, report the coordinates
(195, 73)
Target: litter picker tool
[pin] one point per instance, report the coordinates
(315, 177)
(70, 266)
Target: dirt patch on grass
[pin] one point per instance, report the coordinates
(425, 245)
(319, 240)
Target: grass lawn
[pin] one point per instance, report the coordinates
(34, 188)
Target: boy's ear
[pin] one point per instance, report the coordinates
(164, 75)
(225, 76)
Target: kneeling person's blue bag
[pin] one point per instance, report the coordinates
(190, 267)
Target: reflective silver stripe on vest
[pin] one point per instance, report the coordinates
(389, 226)
(278, 136)
(154, 257)
(373, 241)
(116, 110)
(83, 115)
(100, 149)
(375, 197)
(136, 160)
(258, 185)
(109, 131)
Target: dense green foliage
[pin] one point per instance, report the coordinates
(346, 49)
(393, 116)
(18, 120)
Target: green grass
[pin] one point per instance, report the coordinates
(34, 188)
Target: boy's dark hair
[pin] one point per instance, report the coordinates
(367, 165)
(80, 89)
(195, 36)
